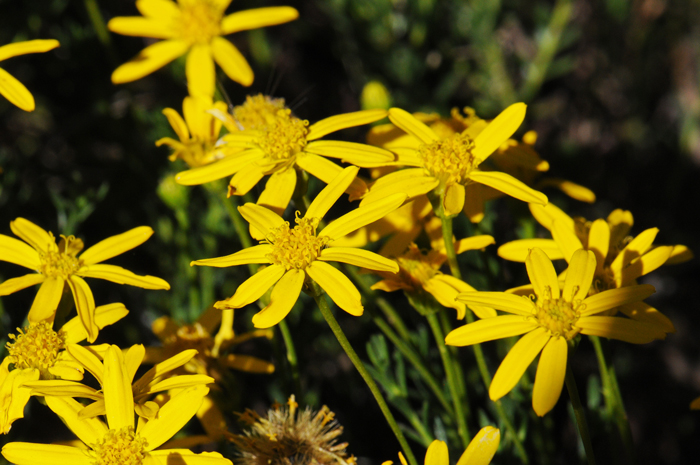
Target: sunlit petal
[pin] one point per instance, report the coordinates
(508, 185)
(549, 379)
(517, 251)
(542, 274)
(16, 92)
(362, 155)
(566, 238)
(199, 68)
(498, 131)
(358, 257)
(517, 361)
(119, 401)
(253, 288)
(28, 453)
(614, 327)
(33, 235)
(89, 430)
(13, 285)
(338, 287)
(500, 301)
(343, 121)
(489, 329)
(616, 297)
(119, 275)
(263, 219)
(256, 18)
(46, 300)
(18, 252)
(116, 245)
(232, 61)
(149, 60)
(363, 215)
(482, 447)
(254, 254)
(282, 299)
(331, 193)
(409, 123)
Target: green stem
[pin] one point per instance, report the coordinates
(291, 357)
(580, 415)
(345, 344)
(447, 362)
(450, 246)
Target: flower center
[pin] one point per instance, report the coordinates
(415, 268)
(558, 315)
(198, 153)
(258, 112)
(449, 160)
(296, 247)
(285, 137)
(120, 447)
(200, 20)
(193, 336)
(36, 347)
(62, 263)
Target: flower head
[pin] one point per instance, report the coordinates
(195, 28)
(300, 252)
(58, 265)
(548, 321)
(11, 88)
(480, 450)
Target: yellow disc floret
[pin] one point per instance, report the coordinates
(62, 263)
(296, 247)
(415, 268)
(36, 347)
(285, 137)
(558, 315)
(120, 447)
(258, 112)
(200, 20)
(449, 160)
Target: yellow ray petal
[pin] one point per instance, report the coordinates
(546, 214)
(508, 185)
(247, 363)
(498, 131)
(338, 287)
(680, 254)
(362, 216)
(132, 360)
(29, 46)
(437, 454)
(161, 9)
(517, 251)
(482, 448)
(232, 61)
(141, 27)
(149, 60)
(542, 274)
(119, 400)
(243, 181)
(616, 297)
(647, 314)
(33, 235)
(343, 121)
(253, 288)
(453, 202)
(256, 18)
(185, 456)
(489, 329)
(643, 265)
(29, 453)
(88, 360)
(614, 327)
(413, 182)
(573, 190)
(85, 305)
(500, 301)
(261, 218)
(517, 361)
(599, 242)
(331, 193)
(282, 299)
(199, 68)
(579, 275)
(279, 190)
(327, 171)
(104, 315)
(387, 285)
(15, 92)
(474, 243)
(46, 300)
(549, 379)
(219, 169)
(63, 388)
(13, 394)
(13, 285)
(636, 248)
(358, 257)
(116, 245)
(255, 254)
(177, 123)
(445, 294)
(19, 253)
(408, 123)
(361, 155)
(461, 287)
(119, 275)
(407, 156)
(152, 376)
(566, 238)
(176, 382)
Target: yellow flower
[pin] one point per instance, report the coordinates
(298, 253)
(195, 28)
(57, 266)
(11, 88)
(549, 322)
(620, 258)
(447, 165)
(286, 145)
(419, 273)
(118, 442)
(480, 450)
(37, 352)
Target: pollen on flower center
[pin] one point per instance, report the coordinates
(120, 447)
(450, 160)
(558, 315)
(285, 137)
(416, 268)
(193, 336)
(200, 21)
(36, 347)
(258, 112)
(62, 263)
(296, 247)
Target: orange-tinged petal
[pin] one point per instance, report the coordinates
(408, 123)
(549, 379)
(542, 274)
(343, 121)
(482, 447)
(232, 61)
(150, 59)
(579, 275)
(517, 251)
(29, 453)
(141, 27)
(358, 257)
(89, 430)
(616, 297)
(517, 361)
(104, 315)
(46, 300)
(15, 92)
(29, 46)
(498, 131)
(33, 235)
(17, 284)
(362, 155)
(255, 254)
(362, 216)
(508, 185)
(566, 238)
(253, 288)
(331, 193)
(119, 275)
(200, 72)
(257, 18)
(282, 299)
(614, 327)
(338, 287)
(261, 218)
(500, 301)
(116, 245)
(119, 400)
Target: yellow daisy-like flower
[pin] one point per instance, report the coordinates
(419, 273)
(620, 259)
(57, 266)
(298, 253)
(553, 318)
(11, 88)
(480, 450)
(118, 442)
(38, 352)
(447, 165)
(286, 145)
(195, 28)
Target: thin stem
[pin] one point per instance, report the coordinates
(462, 428)
(450, 246)
(345, 344)
(580, 415)
(291, 356)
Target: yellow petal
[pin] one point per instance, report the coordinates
(176, 382)
(161, 9)
(573, 190)
(461, 287)
(489, 329)
(15, 92)
(445, 294)
(616, 297)
(566, 238)
(546, 214)
(338, 287)
(613, 327)
(85, 305)
(244, 180)
(279, 190)
(498, 131)
(508, 185)
(199, 68)
(19, 253)
(132, 360)
(407, 156)
(160, 369)
(116, 245)
(409, 123)
(621, 222)
(219, 169)
(29, 453)
(437, 454)
(29, 46)
(453, 202)
(104, 315)
(680, 254)
(232, 61)
(327, 171)
(13, 395)
(262, 219)
(413, 182)
(177, 123)
(33, 235)
(282, 300)
(474, 243)
(517, 251)
(17, 284)
(119, 275)
(387, 285)
(185, 456)
(119, 401)
(253, 288)
(331, 193)
(549, 379)
(247, 363)
(542, 274)
(343, 121)
(636, 248)
(647, 314)
(500, 301)
(46, 300)
(362, 216)
(88, 360)
(482, 448)
(149, 60)
(255, 254)
(643, 265)
(256, 18)
(63, 388)
(599, 242)
(141, 27)
(359, 257)
(517, 361)
(579, 275)
(362, 155)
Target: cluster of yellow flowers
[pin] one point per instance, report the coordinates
(422, 170)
